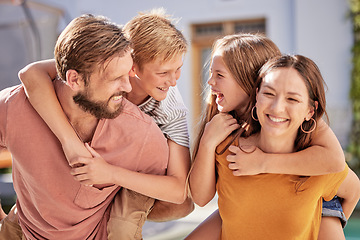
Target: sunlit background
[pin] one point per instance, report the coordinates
(319, 29)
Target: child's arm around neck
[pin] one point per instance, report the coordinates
(324, 156)
(37, 80)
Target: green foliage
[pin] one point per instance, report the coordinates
(355, 10)
(5, 170)
(355, 83)
(353, 150)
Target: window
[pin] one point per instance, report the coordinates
(208, 30)
(250, 27)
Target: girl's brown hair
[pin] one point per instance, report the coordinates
(243, 55)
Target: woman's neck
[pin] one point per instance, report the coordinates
(271, 144)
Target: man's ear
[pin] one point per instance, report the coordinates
(73, 80)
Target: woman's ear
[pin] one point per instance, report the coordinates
(316, 104)
(73, 80)
(310, 114)
(312, 111)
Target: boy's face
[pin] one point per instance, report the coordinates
(155, 78)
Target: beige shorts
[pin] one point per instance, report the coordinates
(10, 228)
(128, 215)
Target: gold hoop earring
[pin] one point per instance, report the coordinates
(312, 129)
(252, 114)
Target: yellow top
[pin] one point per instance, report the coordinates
(268, 206)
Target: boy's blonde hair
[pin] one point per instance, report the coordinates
(153, 36)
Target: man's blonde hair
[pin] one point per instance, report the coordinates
(152, 36)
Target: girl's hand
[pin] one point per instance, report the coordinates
(220, 126)
(248, 161)
(93, 170)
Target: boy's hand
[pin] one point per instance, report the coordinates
(75, 150)
(93, 170)
(246, 161)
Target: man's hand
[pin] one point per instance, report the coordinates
(165, 211)
(246, 161)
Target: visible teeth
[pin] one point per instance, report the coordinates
(214, 92)
(116, 98)
(274, 119)
(162, 89)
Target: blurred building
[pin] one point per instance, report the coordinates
(319, 29)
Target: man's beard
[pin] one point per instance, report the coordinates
(98, 109)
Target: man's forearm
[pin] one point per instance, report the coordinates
(165, 211)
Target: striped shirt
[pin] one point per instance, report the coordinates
(170, 115)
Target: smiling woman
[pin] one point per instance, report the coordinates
(282, 103)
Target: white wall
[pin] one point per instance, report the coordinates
(318, 29)
(324, 33)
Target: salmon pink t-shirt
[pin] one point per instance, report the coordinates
(51, 203)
